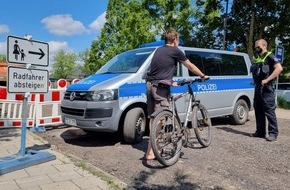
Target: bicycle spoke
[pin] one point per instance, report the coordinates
(166, 138)
(202, 125)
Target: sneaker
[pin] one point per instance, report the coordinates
(271, 138)
(257, 135)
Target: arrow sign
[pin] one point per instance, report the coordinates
(38, 53)
(21, 50)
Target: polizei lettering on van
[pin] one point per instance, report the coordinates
(206, 87)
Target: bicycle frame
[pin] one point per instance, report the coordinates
(192, 102)
(174, 134)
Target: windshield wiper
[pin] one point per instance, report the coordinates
(108, 72)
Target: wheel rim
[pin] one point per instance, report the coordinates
(241, 112)
(139, 126)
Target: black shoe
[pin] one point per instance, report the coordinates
(257, 135)
(271, 138)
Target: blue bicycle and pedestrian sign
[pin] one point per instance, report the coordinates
(279, 52)
(21, 50)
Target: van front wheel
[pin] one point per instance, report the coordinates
(134, 126)
(241, 113)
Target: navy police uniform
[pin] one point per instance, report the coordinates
(264, 98)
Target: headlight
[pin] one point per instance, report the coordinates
(103, 95)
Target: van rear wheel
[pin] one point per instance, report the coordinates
(241, 113)
(134, 126)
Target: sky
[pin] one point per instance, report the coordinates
(69, 25)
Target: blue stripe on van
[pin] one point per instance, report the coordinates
(218, 84)
(132, 89)
(87, 83)
(212, 85)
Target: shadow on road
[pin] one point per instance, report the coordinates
(6, 134)
(232, 130)
(91, 139)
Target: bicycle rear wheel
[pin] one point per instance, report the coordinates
(201, 123)
(166, 139)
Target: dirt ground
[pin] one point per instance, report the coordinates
(234, 160)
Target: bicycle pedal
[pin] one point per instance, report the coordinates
(181, 154)
(190, 145)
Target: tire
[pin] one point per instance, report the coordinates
(166, 140)
(134, 126)
(241, 113)
(201, 123)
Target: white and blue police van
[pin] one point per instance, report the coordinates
(114, 98)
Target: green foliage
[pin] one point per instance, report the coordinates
(131, 23)
(202, 23)
(127, 26)
(84, 57)
(282, 103)
(2, 57)
(208, 24)
(246, 22)
(252, 20)
(65, 65)
(177, 14)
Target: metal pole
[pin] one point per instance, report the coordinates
(24, 124)
(225, 25)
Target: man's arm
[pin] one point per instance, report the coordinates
(194, 69)
(277, 70)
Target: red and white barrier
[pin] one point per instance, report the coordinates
(43, 109)
(11, 109)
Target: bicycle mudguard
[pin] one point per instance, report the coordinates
(158, 111)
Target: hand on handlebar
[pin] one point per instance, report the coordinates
(174, 83)
(205, 77)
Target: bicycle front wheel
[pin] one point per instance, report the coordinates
(201, 123)
(166, 139)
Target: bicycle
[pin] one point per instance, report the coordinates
(168, 135)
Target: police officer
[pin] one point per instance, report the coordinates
(265, 69)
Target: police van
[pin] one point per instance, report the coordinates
(114, 98)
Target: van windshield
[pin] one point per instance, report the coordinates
(127, 62)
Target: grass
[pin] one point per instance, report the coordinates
(99, 174)
(282, 103)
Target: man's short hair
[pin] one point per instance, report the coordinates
(263, 42)
(171, 35)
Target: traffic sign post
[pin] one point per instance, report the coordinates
(26, 80)
(24, 51)
(279, 53)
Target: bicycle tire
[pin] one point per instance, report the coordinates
(166, 140)
(201, 123)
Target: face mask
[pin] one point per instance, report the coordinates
(258, 50)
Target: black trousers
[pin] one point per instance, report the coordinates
(265, 105)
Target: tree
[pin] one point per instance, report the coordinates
(2, 57)
(127, 26)
(208, 30)
(84, 57)
(250, 20)
(64, 65)
(177, 14)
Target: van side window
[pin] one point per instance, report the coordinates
(178, 70)
(216, 64)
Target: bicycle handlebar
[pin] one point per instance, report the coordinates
(189, 81)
